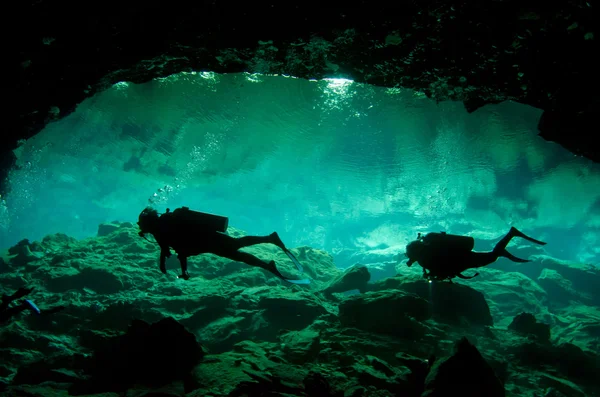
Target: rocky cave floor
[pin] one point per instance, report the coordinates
(231, 330)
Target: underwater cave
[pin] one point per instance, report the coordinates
(358, 131)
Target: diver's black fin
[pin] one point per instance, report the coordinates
(294, 260)
(304, 281)
(273, 269)
(32, 306)
(513, 258)
(517, 233)
(466, 277)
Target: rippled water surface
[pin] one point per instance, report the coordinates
(330, 164)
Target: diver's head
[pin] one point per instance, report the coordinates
(148, 221)
(414, 250)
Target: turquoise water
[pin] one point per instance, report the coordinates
(331, 164)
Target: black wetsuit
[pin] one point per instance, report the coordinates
(186, 240)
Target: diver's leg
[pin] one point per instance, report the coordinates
(235, 243)
(183, 262)
(251, 260)
(514, 232)
(501, 245)
(518, 233)
(481, 259)
(500, 248)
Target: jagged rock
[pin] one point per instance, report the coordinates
(509, 294)
(418, 372)
(123, 236)
(584, 278)
(224, 332)
(389, 312)
(287, 322)
(22, 254)
(560, 290)
(526, 324)
(246, 370)
(52, 369)
(556, 387)
(143, 355)
(210, 307)
(353, 278)
(567, 359)
(102, 281)
(104, 229)
(322, 269)
(376, 372)
(58, 240)
(580, 326)
(315, 384)
(291, 311)
(175, 389)
(381, 270)
(231, 367)
(450, 302)
(465, 373)
(301, 347)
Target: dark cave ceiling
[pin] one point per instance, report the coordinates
(478, 52)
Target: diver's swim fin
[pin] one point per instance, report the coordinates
(304, 281)
(275, 239)
(518, 233)
(294, 260)
(513, 258)
(271, 267)
(32, 306)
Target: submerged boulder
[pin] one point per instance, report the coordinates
(466, 373)
(526, 324)
(104, 229)
(451, 303)
(560, 290)
(149, 354)
(354, 278)
(389, 312)
(22, 254)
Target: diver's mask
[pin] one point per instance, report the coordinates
(147, 219)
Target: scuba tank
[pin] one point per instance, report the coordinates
(449, 242)
(200, 221)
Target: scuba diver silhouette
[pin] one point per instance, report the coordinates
(445, 256)
(192, 233)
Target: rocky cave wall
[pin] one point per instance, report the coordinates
(477, 52)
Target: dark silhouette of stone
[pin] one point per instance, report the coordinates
(353, 278)
(153, 355)
(465, 373)
(526, 324)
(451, 303)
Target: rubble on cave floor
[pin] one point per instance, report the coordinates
(232, 330)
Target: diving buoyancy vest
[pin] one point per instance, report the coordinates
(449, 242)
(199, 221)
